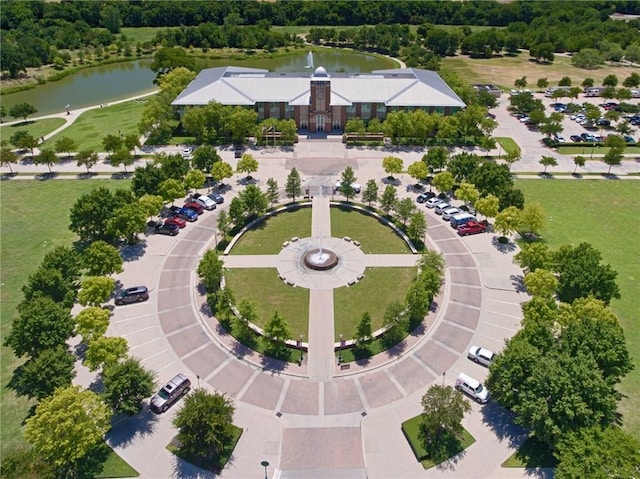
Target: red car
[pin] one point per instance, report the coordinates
(471, 228)
(175, 220)
(192, 205)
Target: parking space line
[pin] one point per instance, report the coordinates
(396, 383)
(165, 367)
(503, 327)
(194, 351)
(139, 330)
(220, 367)
(145, 343)
(182, 329)
(135, 317)
(424, 365)
(153, 356)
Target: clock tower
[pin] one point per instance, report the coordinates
(320, 101)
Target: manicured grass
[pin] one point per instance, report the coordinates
(114, 466)
(34, 219)
(142, 34)
(93, 125)
(597, 212)
(587, 150)
(373, 294)
(453, 445)
(504, 70)
(268, 236)
(271, 295)
(508, 145)
(37, 128)
(532, 453)
(374, 237)
(221, 461)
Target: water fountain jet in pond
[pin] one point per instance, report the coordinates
(319, 259)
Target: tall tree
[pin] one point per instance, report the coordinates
(65, 144)
(404, 209)
(126, 384)
(392, 165)
(541, 282)
(293, 187)
(87, 158)
(210, 270)
(443, 181)
(22, 110)
(204, 424)
(91, 212)
(127, 222)
(396, 322)
(41, 375)
(66, 427)
(418, 171)
(272, 191)
(147, 180)
(221, 170)
(417, 226)
(547, 161)
(363, 331)
(92, 322)
(105, 351)
(171, 190)
(532, 218)
(204, 157)
(443, 409)
(102, 259)
(194, 179)
(46, 157)
(8, 156)
(151, 204)
(347, 179)
(277, 332)
(50, 282)
(388, 199)
(533, 256)
(507, 220)
(467, 193)
(247, 164)
(96, 290)
(370, 193)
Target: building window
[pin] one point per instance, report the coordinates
(288, 111)
(440, 109)
(261, 111)
(351, 111)
(304, 125)
(274, 110)
(336, 124)
(381, 110)
(365, 111)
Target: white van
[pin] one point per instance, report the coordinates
(472, 387)
(461, 219)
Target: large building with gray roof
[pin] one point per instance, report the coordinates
(320, 102)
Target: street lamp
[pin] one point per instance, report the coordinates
(300, 346)
(340, 349)
(265, 464)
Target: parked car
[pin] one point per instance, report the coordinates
(193, 205)
(186, 153)
(629, 139)
(480, 355)
(170, 393)
(559, 138)
(427, 195)
(612, 105)
(167, 229)
(176, 220)
(204, 201)
(588, 137)
(472, 387)
(450, 212)
(471, 228)
(575, 138)
(431, 203)
(238, 151)
(439, 209)
(218, 198)
(185, 213)
(136, 294)
(603, 122)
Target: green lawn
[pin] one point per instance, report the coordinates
(267, 237)
(115, 466)
(142, 34)
(597, 212)
(37, 129)
(532, 453)
(271, 295)
(93, 125)
(373, 294)
(411, 430)
(508, 145)
(221, 461)
(34, 219)
(374, 237)
(588, 150)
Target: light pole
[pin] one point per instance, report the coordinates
(443, 374)
(265, 464)
(300, 346)
(340, 349)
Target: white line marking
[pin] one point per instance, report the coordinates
(145, 343)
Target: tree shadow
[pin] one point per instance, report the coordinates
(126, 430)
(97, 385)
(391, 180)
(502, 422)
(450, 464)
(121, 175)
(610, 176)
(271, 364)
(518, 283)
(8, 176)
(503, 248)
(87, 175)
(46, 176)
(133, 252)
(397, 349)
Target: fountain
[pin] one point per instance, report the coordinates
(319, 259)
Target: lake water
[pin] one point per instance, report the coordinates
(107, 83)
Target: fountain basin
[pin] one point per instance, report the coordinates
(320, 259)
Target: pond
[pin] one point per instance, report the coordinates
(107, 83)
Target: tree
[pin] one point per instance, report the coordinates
(237, 211)
(520, 82)
(370, 193)
(467, 193)
(50, 282)
(418, 170)
(121, 156)
(255, 201)
(404, 209)
(598, 453)
(541, 282)
(221, 170)
(532, 219)
(347, 179)
(507, 220)
(293, 187)
(22, 110)
(131, 142)
(102, 259)
(392, 165)
(67, 426)
(396, 324)
(533, 256)
(463, 165)
(417, 226)
(147, 179)
(87, 158)
(436, 158)
(126, 384)
(194, 179)
(8, 156)
(272, 193)
(172, 166)
(105, 351)
(610, 80)
(66, 145)
(112, 143)
(247, 164)
(210, 270)
(171, 190)
(91, 212)
(127, 222)
(580, 161)
(224, 303)
(46, 157)
(443, 409)
(91, 323)
(204, 157)
(547, 161)
(363, 331)
(614, 156)
(443, 181)
(96, 290)
(632, 81)
(388, 199)
(247, 314)
(224, 223)
(277, 332)
(24, 141)
(42, 323)
(151, 204)
(588, 58)
(204, 424)
(41, 375)
(542, 83)
(581, 274)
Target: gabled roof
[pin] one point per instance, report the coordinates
(248, 86)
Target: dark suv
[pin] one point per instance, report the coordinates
(132, 295)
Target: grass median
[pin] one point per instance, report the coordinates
(36, 128)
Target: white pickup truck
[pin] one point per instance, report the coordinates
(356, 186)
